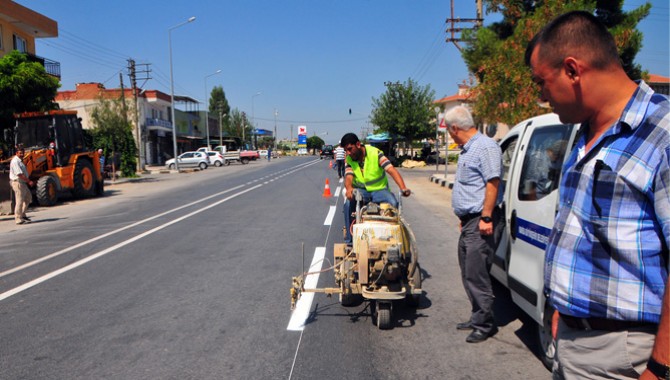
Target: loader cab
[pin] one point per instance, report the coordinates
(38, 130)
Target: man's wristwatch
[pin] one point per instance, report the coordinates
(662, 371)
(487, 219)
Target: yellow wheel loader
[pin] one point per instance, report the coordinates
(56, 157)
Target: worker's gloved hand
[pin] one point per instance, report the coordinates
(406, 192)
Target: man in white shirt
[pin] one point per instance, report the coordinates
(18, 179)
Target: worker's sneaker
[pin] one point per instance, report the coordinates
(20, 221)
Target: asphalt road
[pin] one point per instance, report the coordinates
(187, 276)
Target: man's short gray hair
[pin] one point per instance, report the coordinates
(460, 117)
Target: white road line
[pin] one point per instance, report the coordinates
(337, 191)
(302, 308)
(86, 242)
(329, 217)
(94, 256)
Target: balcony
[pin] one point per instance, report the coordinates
(51, 67)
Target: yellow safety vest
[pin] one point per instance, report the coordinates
(373, 176)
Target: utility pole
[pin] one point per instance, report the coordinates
(276, 113)
(138, 133)
(452, 30)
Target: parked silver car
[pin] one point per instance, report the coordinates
(189, 160)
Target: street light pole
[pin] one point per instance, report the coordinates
(207, 107)
(276, 113)
(253, 122)
(174, 122)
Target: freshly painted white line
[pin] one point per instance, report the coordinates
(96, 255)
(302, 308)
(337, 191)
(329, 217)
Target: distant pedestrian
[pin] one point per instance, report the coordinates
(475, 200)
(606, 262)
(18, 179)
(340, 155)
(101, 158)
(269, 153)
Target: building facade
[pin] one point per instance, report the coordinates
(152, 122)
(20, 26)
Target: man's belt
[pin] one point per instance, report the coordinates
(601, 323)
(468, 217)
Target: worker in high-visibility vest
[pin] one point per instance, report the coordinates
(366, 169)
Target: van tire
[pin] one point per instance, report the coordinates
(545, 340)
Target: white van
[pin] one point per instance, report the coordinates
(533, 153)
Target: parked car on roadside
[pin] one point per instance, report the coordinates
(189, 160)
(263, 153)
(215, 158)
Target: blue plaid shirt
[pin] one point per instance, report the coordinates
(607, 255)
(479, 162)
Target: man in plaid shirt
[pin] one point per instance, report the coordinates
(606, 264)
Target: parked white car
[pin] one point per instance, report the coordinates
(215, 158)
(189, 160)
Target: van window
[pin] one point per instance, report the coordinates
(542, 162)
(507, 154)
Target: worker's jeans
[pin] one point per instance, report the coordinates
(380, 196)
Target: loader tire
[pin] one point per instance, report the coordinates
(84, 180)
(47, 191)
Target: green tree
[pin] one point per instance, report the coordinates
(114, 134)
(315, 142)
(405, 109)
(237, 124)
(495, 53)
(218, 101)
(24, 86)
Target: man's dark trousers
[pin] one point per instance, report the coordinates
(475, 253)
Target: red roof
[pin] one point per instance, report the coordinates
(653, 78)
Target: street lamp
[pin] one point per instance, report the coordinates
(207, 106)
(253, 122)
(174, 122)
(437, 138)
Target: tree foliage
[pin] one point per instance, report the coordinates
(218, 101)
(315, 142)
(24, 86)
(495, 53)
(114, 134)
(237, 124)
(405, 109)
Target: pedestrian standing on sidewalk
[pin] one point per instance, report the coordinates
(606, 262)
(340, 155)
(475, 199)
(18, 179)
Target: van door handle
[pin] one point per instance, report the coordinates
(512, 225)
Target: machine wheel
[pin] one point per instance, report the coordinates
(384, 315)
(545, 339)
(47, 192)
(202, 166)
(244, 160)
(84, 180)
(347, 299)
(413, 300)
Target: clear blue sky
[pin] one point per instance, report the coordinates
(311, 60)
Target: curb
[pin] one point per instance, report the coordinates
(442, 180)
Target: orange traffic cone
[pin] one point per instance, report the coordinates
(330, 166)
(326, 190)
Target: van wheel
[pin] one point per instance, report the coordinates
(84, 183)
(47, 194)
(546, 341)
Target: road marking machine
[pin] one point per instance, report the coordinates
(381, 265)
